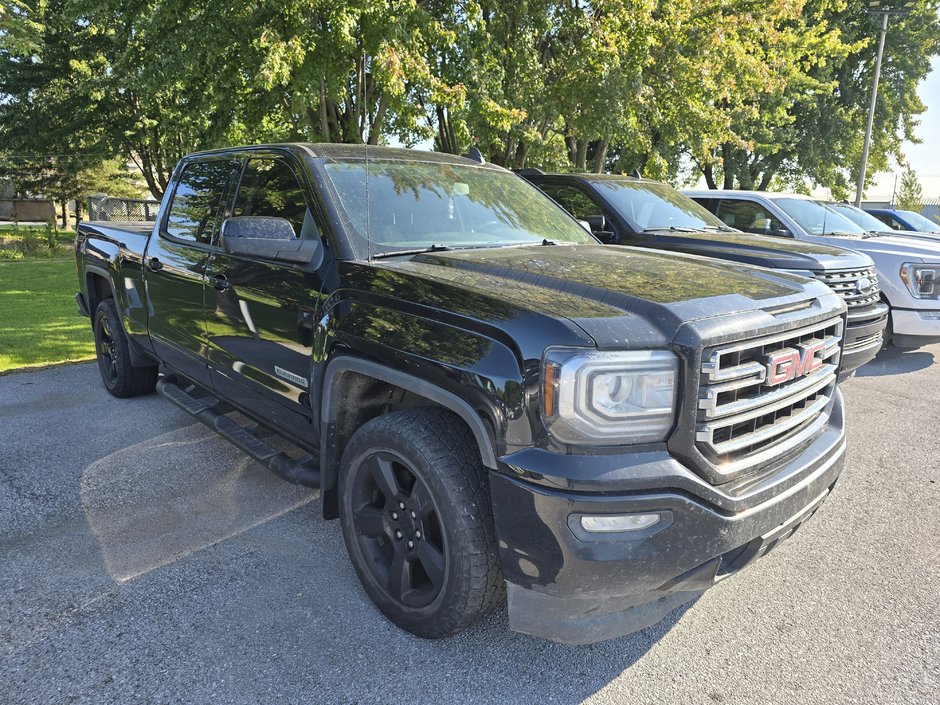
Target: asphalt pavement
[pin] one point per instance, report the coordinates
(144, 559)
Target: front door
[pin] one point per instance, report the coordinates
(260, 315)
(175, 263)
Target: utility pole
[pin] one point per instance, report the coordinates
(875, 8)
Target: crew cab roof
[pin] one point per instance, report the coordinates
(326, 150)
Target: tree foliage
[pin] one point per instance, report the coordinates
(910, 195)
(747, 93)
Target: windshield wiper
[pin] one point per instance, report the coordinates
(417, 251)
(672, 228)
(719, 228)
(875, 233)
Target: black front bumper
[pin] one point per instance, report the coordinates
(573, 587)
(864, 337)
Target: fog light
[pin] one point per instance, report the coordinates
(609, 523)
(930, 315)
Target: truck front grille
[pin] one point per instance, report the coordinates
(858, 287)
(760, 399)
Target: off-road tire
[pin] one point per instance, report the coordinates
(437, 449)
(120, 377)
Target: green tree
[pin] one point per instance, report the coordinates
(910, 196)
(805, 118)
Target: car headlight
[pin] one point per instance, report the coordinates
(921, 279)
(609, 398)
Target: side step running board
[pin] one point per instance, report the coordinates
(301, 471)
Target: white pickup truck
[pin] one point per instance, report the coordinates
(907, 268)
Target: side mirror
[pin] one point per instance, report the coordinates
(596, 222)
(597, 225)
(781, 232)
(267, 238)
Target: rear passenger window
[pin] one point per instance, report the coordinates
(748, 216)
(270, 188)
(197, 202)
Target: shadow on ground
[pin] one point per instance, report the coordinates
(190, 550)
(896, 361)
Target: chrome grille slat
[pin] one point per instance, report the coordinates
(778, 429)
(845, 284)
(742, 419)
(752, 407)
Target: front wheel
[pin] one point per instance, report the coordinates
(416, 518)
(120, 377)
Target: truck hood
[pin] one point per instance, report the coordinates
(759, 250)
(614, 294)
(915, 235)
(906, 248)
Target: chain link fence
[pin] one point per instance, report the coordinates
(127, 210)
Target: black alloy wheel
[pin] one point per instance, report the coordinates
(415, 510)
(398, 527)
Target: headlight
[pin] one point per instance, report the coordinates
(609, 398)
(921, 279)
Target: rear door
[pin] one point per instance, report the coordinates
(175, 263)
(260, 315)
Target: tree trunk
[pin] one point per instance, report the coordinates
(727, 167)
(581, 162)
(65, 215)
(709, 173)
(600, 156)
(324, 120)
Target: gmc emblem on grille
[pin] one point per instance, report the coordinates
(789, 363)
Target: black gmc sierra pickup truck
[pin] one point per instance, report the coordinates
(625, 210)
(490, 401)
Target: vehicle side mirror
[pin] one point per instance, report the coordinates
(781, 232)
(268, 238)
(596, 223)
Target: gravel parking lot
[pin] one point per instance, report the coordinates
(144, 559)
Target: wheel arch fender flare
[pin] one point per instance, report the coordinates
(330, 452)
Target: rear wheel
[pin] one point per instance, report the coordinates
(417, 522)
(114, 359)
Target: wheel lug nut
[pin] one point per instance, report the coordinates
(411, 544)
(401, 505)
(395, 515)
(398, 534)
(417, 534)
(413, 515)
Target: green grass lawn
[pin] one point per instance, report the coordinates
(39, 321)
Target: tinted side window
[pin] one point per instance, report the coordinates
(572, 200)
(270, 188)
(748, 216)
(194, 211)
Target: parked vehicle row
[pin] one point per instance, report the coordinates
(642, 213)
(906, 266)
(491, 400)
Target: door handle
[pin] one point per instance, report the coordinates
(154, 264)
(220, 283)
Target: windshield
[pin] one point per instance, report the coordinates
(404, 206)
(920, 223)
(864, 220)
(818, 218)
(649, 206)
